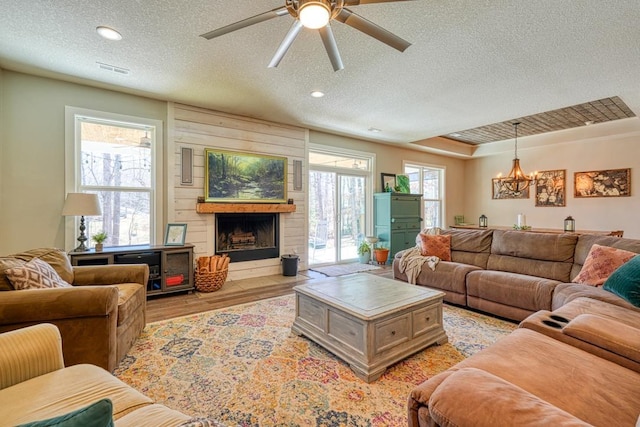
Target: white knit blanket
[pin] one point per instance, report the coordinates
(411, 263)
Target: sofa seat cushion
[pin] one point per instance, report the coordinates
(66, 390)
(518, 290)
(152, 415)
(131, 299)
(588, 387)
(564, 293)
(508, 405)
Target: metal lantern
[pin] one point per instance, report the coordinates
(482, 222)
(569, 224)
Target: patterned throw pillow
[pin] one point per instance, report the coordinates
(436, 245)
(600, 263)
(35, 274)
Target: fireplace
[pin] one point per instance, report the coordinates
(247, 236)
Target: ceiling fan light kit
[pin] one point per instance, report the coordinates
(318, 14)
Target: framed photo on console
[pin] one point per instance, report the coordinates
(175, 234)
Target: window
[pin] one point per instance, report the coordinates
(116, 158)
(428, 181)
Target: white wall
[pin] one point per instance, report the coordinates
(613, 145)
(198, 129)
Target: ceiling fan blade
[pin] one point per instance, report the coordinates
(377, 32)
(286, 43)
(358, 2)
(281, 11)
(331, 47)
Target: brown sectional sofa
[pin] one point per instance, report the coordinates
(513, 274)
(99, 318)
(575, 361)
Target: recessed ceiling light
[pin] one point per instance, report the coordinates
(375, 130)
(109, 33)
(455, 135)
(588, 122)
(317, 94)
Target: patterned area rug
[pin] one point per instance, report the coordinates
(243, 366)
(342, 269)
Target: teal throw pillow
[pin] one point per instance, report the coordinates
(98, 414)
(625, 281)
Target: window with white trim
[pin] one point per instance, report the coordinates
(428, 181)
(116, 158)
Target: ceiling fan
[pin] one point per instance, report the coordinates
(317, 14)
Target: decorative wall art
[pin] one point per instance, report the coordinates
(388, 181)
(499, 191)
(603, 183)
(244, 177)
(551, 188)
(402, 184)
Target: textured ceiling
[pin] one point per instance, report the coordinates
(471, 63)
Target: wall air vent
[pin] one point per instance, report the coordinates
(113, 69)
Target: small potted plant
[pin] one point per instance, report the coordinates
(99, 238)
(364, 252)
(381, 253)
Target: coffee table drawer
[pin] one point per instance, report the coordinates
(392, 332)
(346, 330)
(311, 311)
(425, 320)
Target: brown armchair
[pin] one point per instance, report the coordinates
(99, 318)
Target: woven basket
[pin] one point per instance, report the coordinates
(210, 282)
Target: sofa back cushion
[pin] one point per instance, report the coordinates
(56, 258)
(537, 254)
(585, 241)
(470, 246)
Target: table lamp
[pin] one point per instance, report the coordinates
(81, 204)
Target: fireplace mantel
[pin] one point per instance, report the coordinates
(212, 208)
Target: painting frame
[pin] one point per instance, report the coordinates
(498, 192)
(388, 178)
(237, 177)
(602, 183)
(551, 188)
(175, 234)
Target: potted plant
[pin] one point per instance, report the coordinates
(99, 238)
(381, 253)
(364, 252)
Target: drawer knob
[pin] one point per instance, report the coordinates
(393, 332)
(428, 318)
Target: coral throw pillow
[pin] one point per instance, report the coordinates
(600, 263)
(35, 274)
(436, 245)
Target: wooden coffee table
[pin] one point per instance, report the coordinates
(369, 321)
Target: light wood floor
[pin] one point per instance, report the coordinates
(232, 293)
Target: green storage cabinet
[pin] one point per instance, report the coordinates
(397, 220)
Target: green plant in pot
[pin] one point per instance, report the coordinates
(364, 252)
(381, 253)
(99, 238)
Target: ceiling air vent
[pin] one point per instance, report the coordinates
(113, 68)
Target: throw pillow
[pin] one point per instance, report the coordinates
(98, 414)
(600, 263)
(625, 281)
(202, 422)
(436, 245)
(5, 264)
(35, 274)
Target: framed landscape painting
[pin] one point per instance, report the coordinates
(551, 188)
(500, 191)
(244, 177)
(603, 183)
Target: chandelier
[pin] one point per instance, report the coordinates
(517, 181)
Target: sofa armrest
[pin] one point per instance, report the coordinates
(48, 305)
(606, 333)
(110, 274)
(492, 402)
(28, 353)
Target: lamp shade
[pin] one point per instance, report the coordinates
(81, 204)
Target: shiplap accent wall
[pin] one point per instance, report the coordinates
(198, 129)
